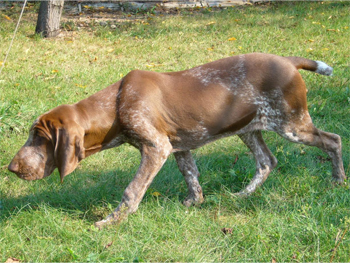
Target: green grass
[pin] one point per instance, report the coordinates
(298, 215)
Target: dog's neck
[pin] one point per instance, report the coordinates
(101, 131)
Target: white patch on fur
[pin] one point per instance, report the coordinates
(323, 69)
(291, 136)
(269, 114)
(231, 82)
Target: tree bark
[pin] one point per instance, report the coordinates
(48, 23)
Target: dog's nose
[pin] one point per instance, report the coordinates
(13, 167)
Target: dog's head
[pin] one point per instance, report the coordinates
(55, 141)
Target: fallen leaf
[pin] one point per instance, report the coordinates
(54, 71)
(109, 244)
(235, 161)
(7, 17)
(232, 39)
(226, 230)
(12, 260)
(210, 23)
(156, 194)
(80, 86)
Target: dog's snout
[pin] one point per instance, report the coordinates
(13, 166)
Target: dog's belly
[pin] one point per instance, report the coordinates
(194, 141)
(201, 133)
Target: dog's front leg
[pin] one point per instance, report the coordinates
(190, 172)
(152, 159)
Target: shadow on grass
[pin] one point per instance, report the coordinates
(94, 194)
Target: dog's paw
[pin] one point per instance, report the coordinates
(193, 201)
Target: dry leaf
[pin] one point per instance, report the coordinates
(80, 86)
(7, 17)
(12, 260)
(232, 39)
(235, 161)
(109, 244)
(226, 230)
(156, 194)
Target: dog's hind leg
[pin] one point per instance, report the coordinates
(303, 131)
(265, 161)
(190, 172)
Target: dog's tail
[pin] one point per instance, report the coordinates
(311, 65)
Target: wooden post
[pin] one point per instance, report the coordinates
(48, 23)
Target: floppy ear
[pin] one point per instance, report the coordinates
(69, 149)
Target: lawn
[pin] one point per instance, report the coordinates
(298, 215)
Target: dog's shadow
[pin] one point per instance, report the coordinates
(92, 194)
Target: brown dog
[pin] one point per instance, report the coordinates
(164, 113)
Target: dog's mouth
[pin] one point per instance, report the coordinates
(27, 176)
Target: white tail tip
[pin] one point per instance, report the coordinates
(324, 69)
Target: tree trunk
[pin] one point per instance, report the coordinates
(48, 24)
